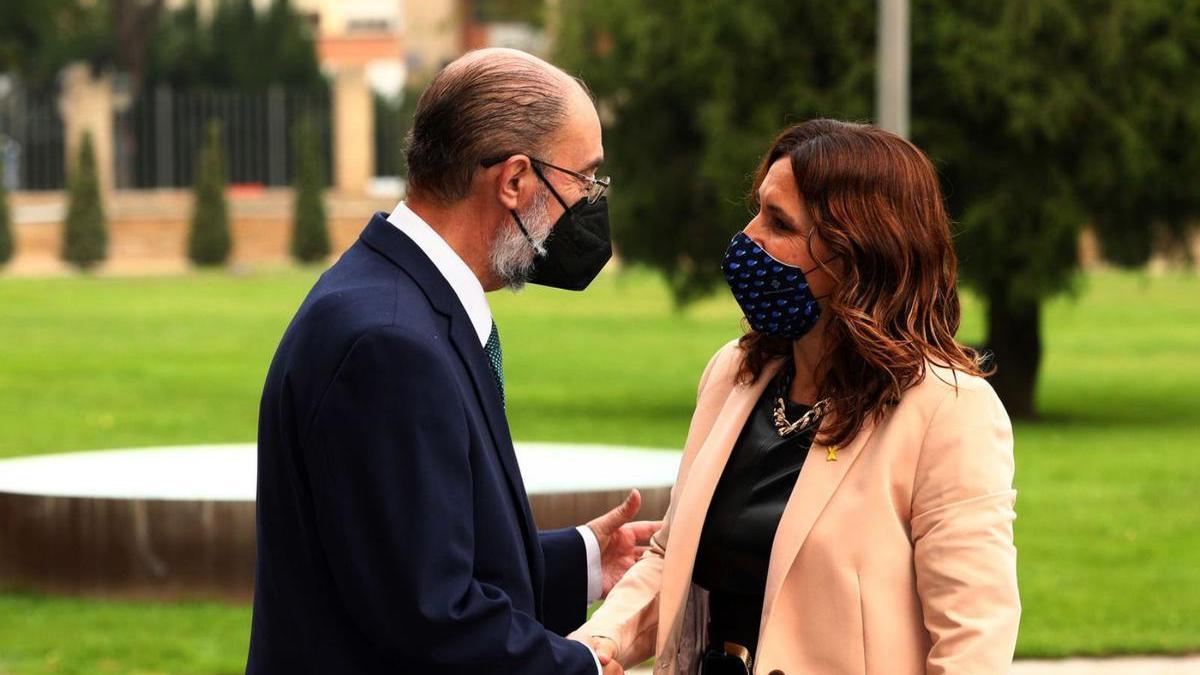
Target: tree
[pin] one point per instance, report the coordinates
(237, 48)
(85, 235)
(310, 234)
(1045, 116)
(209, 242)
(692, 93)
(6, 235)
(1144, 171)
(1042, 116)
(133, 22)
(288, 52)
(152, 43)
(532, 12)
(38, 38)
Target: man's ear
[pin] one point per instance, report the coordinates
(514, 180)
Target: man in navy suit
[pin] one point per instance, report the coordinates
(394, 531)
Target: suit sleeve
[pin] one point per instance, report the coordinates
(564, 605)
(392, 490)
(962, 530)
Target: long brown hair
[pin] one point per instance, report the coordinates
(874, 201)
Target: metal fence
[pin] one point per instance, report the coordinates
(31, 139)
(160, 135)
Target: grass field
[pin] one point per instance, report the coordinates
(1108, 528)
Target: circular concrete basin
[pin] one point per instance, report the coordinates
(178, 523)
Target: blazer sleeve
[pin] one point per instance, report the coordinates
(564, 606)
(392, 491)
(629, 615)
(962, 532)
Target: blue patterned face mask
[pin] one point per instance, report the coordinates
(773, 295)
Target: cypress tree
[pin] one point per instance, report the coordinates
(6, 235)
(310, 234)
(85, 235)
(209, 242)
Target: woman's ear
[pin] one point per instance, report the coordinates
(515, 174)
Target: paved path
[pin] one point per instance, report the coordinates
(1187, 665)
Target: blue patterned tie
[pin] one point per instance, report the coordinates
(496, 359)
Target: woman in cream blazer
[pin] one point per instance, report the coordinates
(894, 550)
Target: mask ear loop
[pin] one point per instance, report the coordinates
(554, 192)
(819, 265)
(524, 232)
(815, 268)
(520, 225)
(803, 272)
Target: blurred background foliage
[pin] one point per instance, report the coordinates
(1047, 119)
(1043, 117)
(151, 43)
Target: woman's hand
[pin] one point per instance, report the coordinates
(605, 648)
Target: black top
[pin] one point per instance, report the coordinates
(735, 545)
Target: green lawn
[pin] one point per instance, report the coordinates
(1108, 527)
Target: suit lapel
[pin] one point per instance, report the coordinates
(466, 343)
(385, 238)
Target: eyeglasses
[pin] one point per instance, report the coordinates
(596, 187)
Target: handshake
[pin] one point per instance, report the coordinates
(605, 648)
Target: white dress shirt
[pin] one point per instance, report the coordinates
(470, 293)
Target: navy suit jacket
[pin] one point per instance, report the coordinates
(394, 532)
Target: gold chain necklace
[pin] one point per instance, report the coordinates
(786, 427)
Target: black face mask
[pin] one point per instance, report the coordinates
(579, 245)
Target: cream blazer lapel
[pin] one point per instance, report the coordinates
(696, 495)
(819, 478)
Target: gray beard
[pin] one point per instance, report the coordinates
(512, 256)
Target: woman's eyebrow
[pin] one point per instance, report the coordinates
(780, 214)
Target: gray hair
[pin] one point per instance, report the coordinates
(480, 107)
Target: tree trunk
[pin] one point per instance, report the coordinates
(1015, 338)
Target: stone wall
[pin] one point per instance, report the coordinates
(148, 230)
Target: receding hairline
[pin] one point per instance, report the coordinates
(487, 101)
(501, 57)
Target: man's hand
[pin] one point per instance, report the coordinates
(622, 542)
